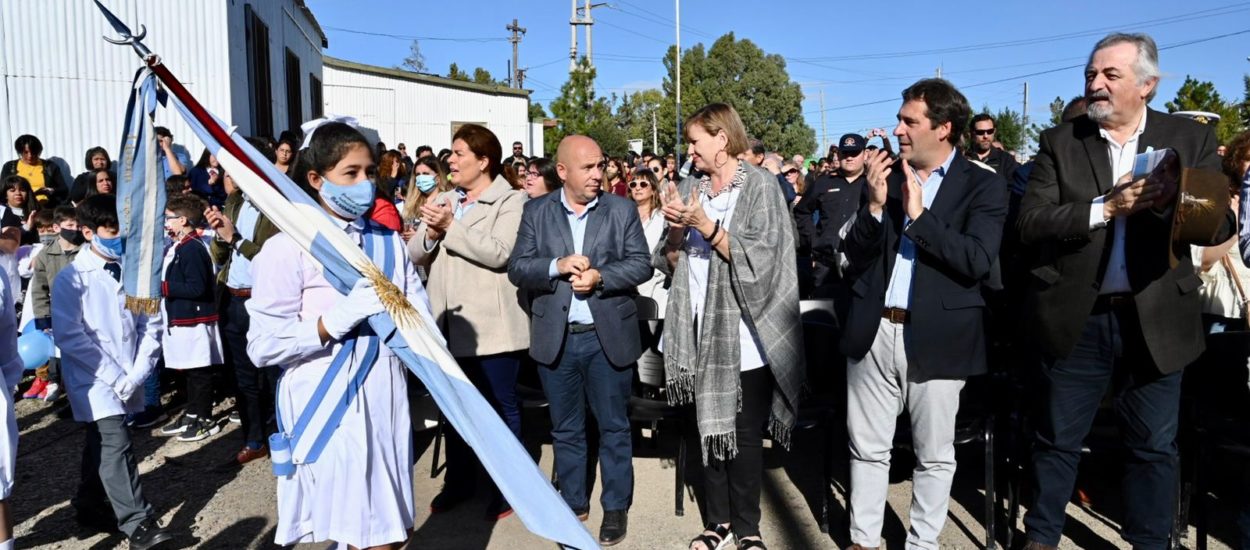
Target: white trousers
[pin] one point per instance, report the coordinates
(878, 390)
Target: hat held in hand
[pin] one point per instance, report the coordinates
(1200, 208)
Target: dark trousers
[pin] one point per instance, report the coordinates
(255, 385)
(732, 487)
(495, 376)
(1147, 406)
(200, 391)
(582, 375)
(109, 473)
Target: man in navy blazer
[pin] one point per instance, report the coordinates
(918, 250)
(579, 256)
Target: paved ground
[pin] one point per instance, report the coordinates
(219, 507)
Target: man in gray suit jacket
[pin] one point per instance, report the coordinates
(580, 254)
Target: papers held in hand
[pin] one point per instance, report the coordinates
(1159, 166)
(1201, 199)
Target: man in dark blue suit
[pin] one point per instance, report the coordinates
(918, 251)
(579, 256)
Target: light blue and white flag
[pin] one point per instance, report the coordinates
(141, 199)
(413, 339)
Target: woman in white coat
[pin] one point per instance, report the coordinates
(358, 489)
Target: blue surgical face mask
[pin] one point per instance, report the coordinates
(425, 182)
(112, 249)
(349, 201)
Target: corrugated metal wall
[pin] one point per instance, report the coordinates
(63, 83)
(420, 113)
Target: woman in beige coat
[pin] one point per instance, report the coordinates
(464, 239)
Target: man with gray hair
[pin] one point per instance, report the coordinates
(1104, 306)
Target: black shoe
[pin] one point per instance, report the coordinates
(612, 530)
(498, 508)
(147, 535)
(201, 428)
(179, 426)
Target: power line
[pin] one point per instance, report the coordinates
(407, 37)
(658, 18)
(1037, 73)
(1202, 14)
(633, 32)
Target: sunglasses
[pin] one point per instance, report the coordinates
(848, 154)
(641, 184)
(989, 132)
(791, 172)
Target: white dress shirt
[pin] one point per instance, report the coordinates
(106, 350)
(898, 293)
(1115, 279)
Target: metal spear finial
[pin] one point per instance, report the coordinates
(126, 36)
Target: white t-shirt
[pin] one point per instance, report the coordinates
(699, 253)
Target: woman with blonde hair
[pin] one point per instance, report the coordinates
(733, 343)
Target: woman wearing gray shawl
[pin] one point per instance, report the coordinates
(733, 344)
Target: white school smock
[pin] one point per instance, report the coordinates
(359, 491)
(103, 344)
(11, 369)
(189, 347)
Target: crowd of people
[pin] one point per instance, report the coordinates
(931, 246)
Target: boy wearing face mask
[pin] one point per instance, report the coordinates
(192, 345)
(45, 266)
(108, 351)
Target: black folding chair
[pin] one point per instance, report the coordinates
(649, 405)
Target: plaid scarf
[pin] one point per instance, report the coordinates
(759, 285)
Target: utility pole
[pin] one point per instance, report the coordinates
(1024, 117)
(677, 144)
(581, 17)
(517, 33)
(824, 134)
(939, 71)
(655, 140)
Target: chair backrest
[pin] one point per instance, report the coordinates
(648, 309)
(818, 312)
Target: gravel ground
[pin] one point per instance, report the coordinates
(212, 505)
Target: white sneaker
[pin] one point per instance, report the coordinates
(51, 392)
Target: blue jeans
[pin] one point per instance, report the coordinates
(582, 375)
(495, 376)
(152, 389)
(1111, 351)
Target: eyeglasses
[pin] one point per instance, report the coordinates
(642, 184)
(989, 132)
(532, 174)
(518, 149)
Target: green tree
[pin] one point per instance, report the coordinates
(633, 114)
(415, 61)
(454, 73)
(537, 112)
(755, 83)
(1056, 111)
(579, 111)
(1009, 129)
(482, 76)
(1196, 95)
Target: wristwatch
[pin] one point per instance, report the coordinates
(234, 243)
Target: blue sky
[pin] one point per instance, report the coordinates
(831, 46)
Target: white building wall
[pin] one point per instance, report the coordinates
(64, 84)
(60, 81)
(421, 111)
(287, 29)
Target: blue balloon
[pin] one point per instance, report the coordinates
(36, 348)
(30, 327)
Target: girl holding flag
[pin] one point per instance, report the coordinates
(341, 402)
